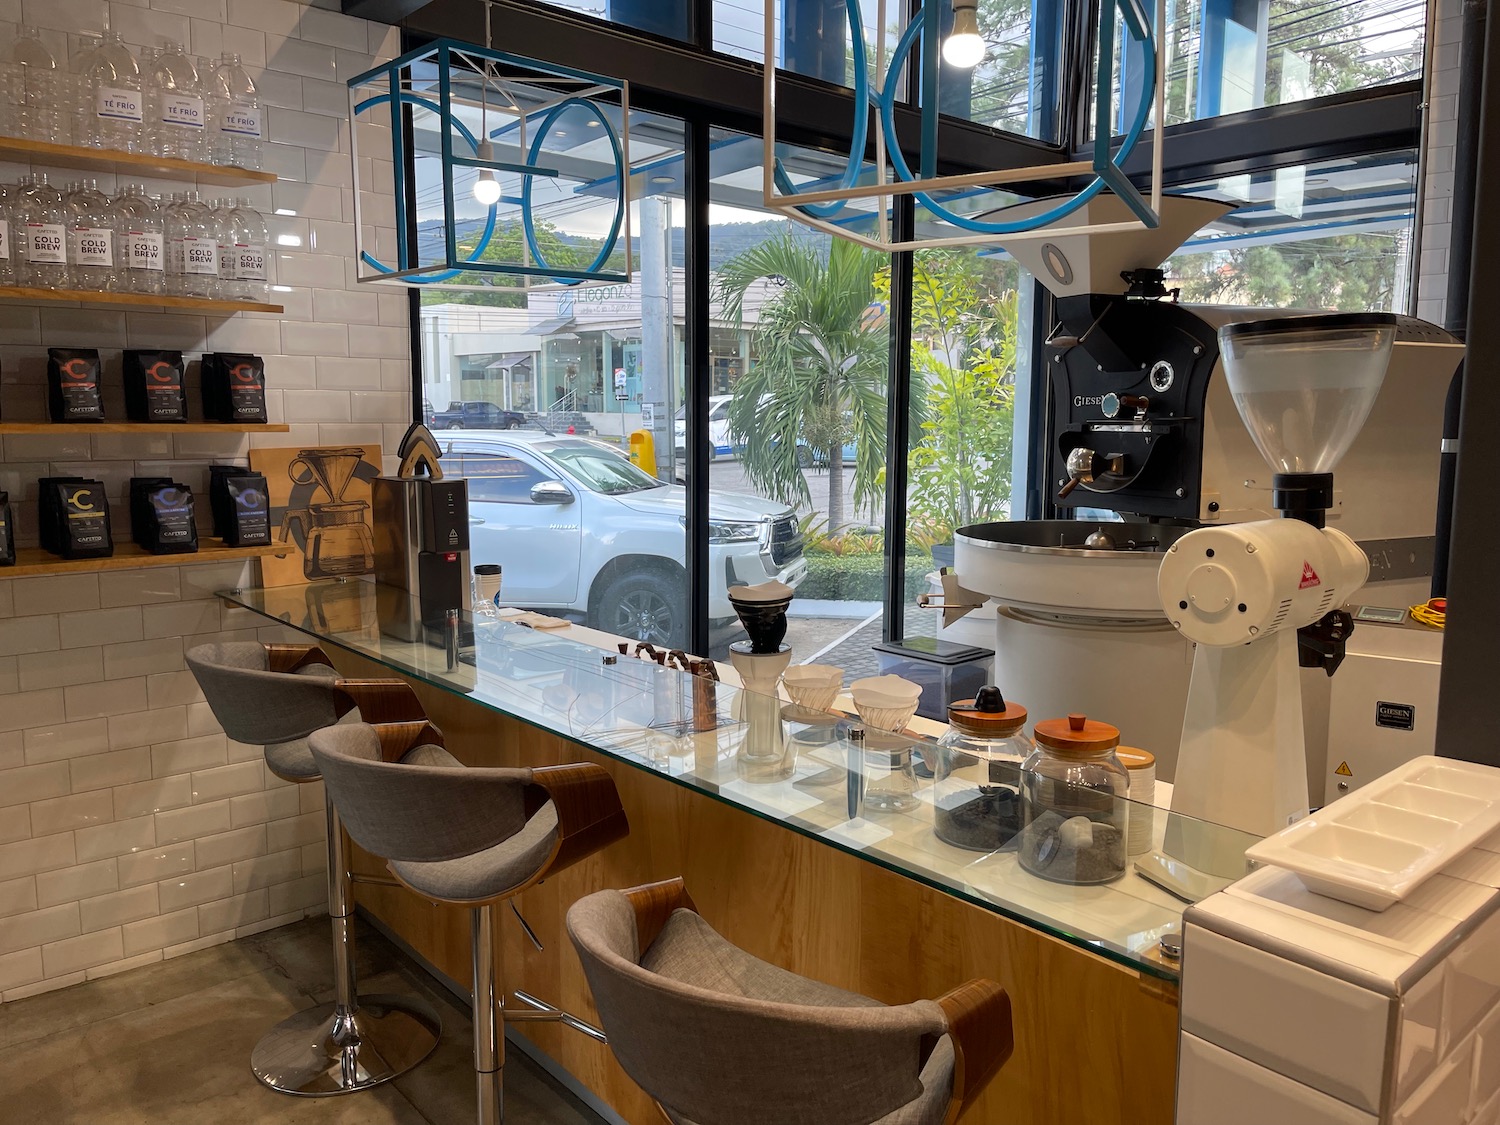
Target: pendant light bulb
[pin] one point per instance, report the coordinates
(486, 187)
(964, 47)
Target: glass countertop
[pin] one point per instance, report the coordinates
(721, 742)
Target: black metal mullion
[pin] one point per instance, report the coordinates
(898, 422)
(696, 379)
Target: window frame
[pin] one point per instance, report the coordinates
(707, 89)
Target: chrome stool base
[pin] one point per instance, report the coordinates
(329, 1050)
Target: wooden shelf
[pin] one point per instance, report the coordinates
(142, 428)
(135, 300)
(33, 561)
(118, 163)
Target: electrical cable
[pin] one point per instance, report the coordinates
(1432, 613)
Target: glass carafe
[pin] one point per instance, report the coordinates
(976, 768)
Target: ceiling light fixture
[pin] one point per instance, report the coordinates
(964, 47)
(486, 187)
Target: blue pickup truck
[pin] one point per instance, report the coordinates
(475, 416)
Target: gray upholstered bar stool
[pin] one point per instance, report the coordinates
(469, 837)
(719, 1037)
(274, 696)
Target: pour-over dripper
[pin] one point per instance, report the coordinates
(1304, 386)
(331, 469)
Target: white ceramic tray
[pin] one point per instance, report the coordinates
(1378, 844)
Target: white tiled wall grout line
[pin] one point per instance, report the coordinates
(131, 829)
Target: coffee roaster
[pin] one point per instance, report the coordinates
(1144, 444)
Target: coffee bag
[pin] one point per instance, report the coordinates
(162, 516)
(153, 386)
(241, 506)
(234, 387)
(82, 519)
(73, 385)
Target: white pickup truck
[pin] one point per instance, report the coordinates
(579, 529)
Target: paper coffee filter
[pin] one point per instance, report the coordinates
(814, 686)
(764, 592)
(885, 702)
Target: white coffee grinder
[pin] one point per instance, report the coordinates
(1262, 599)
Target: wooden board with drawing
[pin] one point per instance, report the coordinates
(320, 508)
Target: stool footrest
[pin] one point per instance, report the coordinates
(539, 1011)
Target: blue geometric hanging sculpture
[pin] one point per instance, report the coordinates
(475, 168)
(856, 205)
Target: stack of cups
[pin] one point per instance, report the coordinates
(1142, 767)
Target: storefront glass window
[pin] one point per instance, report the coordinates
(669, 18)
(801, 367)
(1227, 56)
(1335, 235)
(585, 366)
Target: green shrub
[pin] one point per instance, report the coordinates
(857, 578)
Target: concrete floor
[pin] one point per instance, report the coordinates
(170, 1044)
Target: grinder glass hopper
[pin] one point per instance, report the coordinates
(1304, 386)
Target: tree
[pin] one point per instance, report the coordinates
(820, 356)
(508, 245)
(964, 329)
(1350, 272)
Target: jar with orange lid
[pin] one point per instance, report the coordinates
(1073, 790)
(977, 772)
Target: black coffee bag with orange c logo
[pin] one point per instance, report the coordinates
(234, 387)
(153, 386)
(73, 393)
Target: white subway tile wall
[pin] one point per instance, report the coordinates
(131, 829)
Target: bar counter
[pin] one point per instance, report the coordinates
(875, 904)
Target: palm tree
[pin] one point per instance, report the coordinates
(823, 359)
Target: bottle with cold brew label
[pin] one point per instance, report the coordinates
(143, 258)
(92, 220)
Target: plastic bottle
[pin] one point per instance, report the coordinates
(175, 100)
(200, 247)
(174, 228)
(222, 210)
(33, 87)
(114, 98)
(142, 247)
(44, 224)
(252, 259)
(76, 89)
(236, 122)
(9, 193)
(92, 246)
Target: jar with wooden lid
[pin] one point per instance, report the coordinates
(1073, 791)
(977, 772)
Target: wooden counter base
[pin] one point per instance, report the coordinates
(1095, 1043)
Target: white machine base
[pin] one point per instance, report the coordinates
(1179, 878)
(1243, 758)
